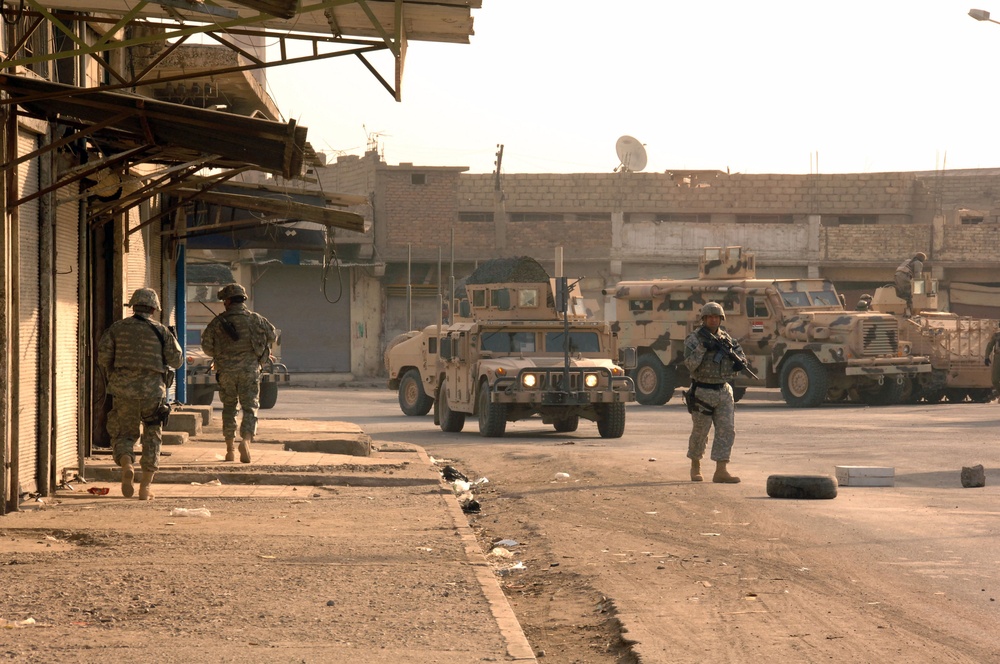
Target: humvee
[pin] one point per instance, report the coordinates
(514, 351)
(956, 345)
(795, 333)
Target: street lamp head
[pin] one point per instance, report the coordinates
(979, 14)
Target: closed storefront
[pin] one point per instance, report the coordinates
(28, 320)
(67, 341)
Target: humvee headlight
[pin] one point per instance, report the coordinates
(590, 380)
(905, 349)
(501, 371)
(529, 380)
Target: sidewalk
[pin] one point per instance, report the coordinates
(382, 536)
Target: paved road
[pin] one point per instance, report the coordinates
(926, 550)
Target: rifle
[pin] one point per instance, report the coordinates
(227, 325)
(724, 348)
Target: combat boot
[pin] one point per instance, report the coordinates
(245, 449)
(230, 449)
(128, 474)
(722, 475)
(696, 471)
(147, 479)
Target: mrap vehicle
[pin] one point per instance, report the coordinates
(956, 345)
(517, 348)
(795, 333)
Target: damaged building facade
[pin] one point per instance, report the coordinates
(122, 141)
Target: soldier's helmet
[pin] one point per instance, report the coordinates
(713, 309)
(145, 297)
(232, 290)
(920, 256)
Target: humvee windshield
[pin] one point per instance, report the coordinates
(506, 341)
(579, 342)
(808, 294)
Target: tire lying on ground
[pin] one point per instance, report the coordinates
(815, 487)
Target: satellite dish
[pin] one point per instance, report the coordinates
(631, 153)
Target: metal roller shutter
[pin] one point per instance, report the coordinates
(67, 333)
(28, 317)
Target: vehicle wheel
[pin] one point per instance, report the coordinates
(815, 487)
(451, 421)
(804, 381)
(492, 416)
(201, 395)
(981, 395)
(888, 393)
(611, 420)
(567, 424)
(412, 398)
(738, 393)
(268, 395)
(654, 382)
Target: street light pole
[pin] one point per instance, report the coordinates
(981, 15)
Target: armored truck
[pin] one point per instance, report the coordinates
(956, 345)
(796, 334)
(515, 350)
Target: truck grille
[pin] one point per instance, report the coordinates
(879, 337)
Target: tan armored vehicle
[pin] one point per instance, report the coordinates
(795, 333)
(956, 345)
(510, 355)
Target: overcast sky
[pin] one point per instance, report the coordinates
(755, 87)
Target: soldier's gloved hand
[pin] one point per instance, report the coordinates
(738, 366)
(987, 361)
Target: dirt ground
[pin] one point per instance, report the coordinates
(261, 580)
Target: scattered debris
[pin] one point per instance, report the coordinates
(195, 511)
(451, 474)
(506, 542)
(973, 477)
(98, 490)
(562, 476)
(501, 552)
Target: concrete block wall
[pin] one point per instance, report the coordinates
(971, 244)
(874, 243)
(682, 241)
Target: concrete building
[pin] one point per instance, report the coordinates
(430, 223)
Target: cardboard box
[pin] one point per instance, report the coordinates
(865, 475)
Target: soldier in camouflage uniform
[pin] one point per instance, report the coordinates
(713, 358)
(993, 357)
(239, 341)
(138, 356)
(909, 270)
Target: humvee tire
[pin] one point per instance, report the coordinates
(611, 420)
(812, 487)
(955, 394)
(201, 395)
(492, 416)
(804, 381)
(450, 421)
(412, 398)
(268, 395)
(568, 424)
(654, 382)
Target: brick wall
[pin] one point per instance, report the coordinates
(979, 243)
(874, 243)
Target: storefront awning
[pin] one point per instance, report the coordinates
(161, 132)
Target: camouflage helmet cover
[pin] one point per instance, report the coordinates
(713, 309)
(232, 290)
(145, 297)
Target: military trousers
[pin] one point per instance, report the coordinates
(240, 388)
(722, 418)
(124, 420)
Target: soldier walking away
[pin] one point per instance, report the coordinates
(239, 341)
(713, 358)
(138, 356)
(993, 358)
(908, 271)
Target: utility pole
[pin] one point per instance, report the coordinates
(499, 213)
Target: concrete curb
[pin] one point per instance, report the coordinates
(518, 648)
